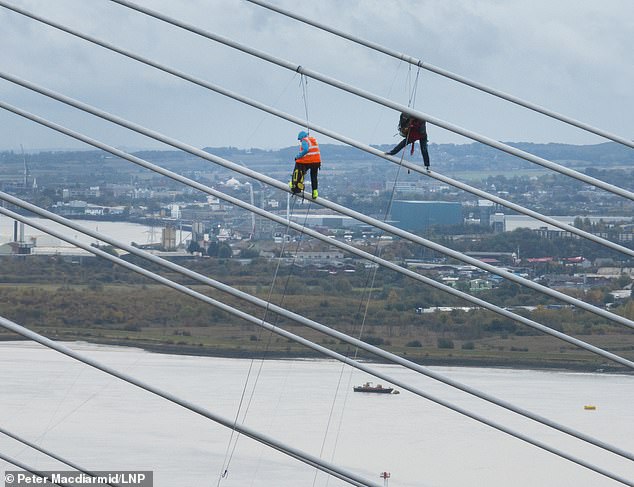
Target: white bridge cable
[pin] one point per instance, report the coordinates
(301, 319)
(27, 468)
(334, 135)
(322, 201)
(50, 454)
(311, 460)
(259, 322)
(447, 74)
(382, 101)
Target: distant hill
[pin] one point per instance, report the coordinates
(99, 166)
(603, 154)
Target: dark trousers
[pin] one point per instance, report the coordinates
(301, 170)
(423, 149)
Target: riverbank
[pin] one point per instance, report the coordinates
(97, 302)
(429, 358)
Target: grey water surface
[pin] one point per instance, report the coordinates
(102, 423)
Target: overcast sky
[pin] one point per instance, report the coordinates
(572, 56)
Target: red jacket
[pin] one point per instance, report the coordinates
(417, 130)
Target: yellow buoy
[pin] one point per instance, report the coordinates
(589, 407)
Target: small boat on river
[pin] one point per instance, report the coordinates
(368, 387)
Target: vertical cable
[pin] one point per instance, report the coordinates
(303, 80)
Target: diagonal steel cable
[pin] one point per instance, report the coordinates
(26, 468)
(380, 100)
(50, 454)
(447, 74)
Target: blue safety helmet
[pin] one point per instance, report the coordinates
(301, 135)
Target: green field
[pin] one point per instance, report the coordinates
(103, 304)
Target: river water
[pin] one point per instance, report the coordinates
(102, 423)
(125, 232)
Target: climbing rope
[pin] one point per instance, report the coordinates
(275, 322)
(264, 117)
(377, 250)
(379, 119)
(303, 81)
(369, 285)
(411, 102)
(234, 437)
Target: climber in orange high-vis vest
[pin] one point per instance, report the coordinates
(309, 157)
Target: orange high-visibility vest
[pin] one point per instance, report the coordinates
(313, 156)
